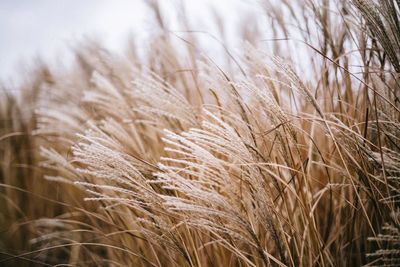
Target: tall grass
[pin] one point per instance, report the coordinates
(171, 159)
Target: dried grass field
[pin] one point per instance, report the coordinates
(286, 155)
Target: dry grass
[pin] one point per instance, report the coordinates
(170, 159)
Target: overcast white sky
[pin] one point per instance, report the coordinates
(46, 28)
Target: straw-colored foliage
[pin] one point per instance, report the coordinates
(287, 154)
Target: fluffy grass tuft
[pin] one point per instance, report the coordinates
(173, 159)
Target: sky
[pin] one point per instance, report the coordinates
(48, 29)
